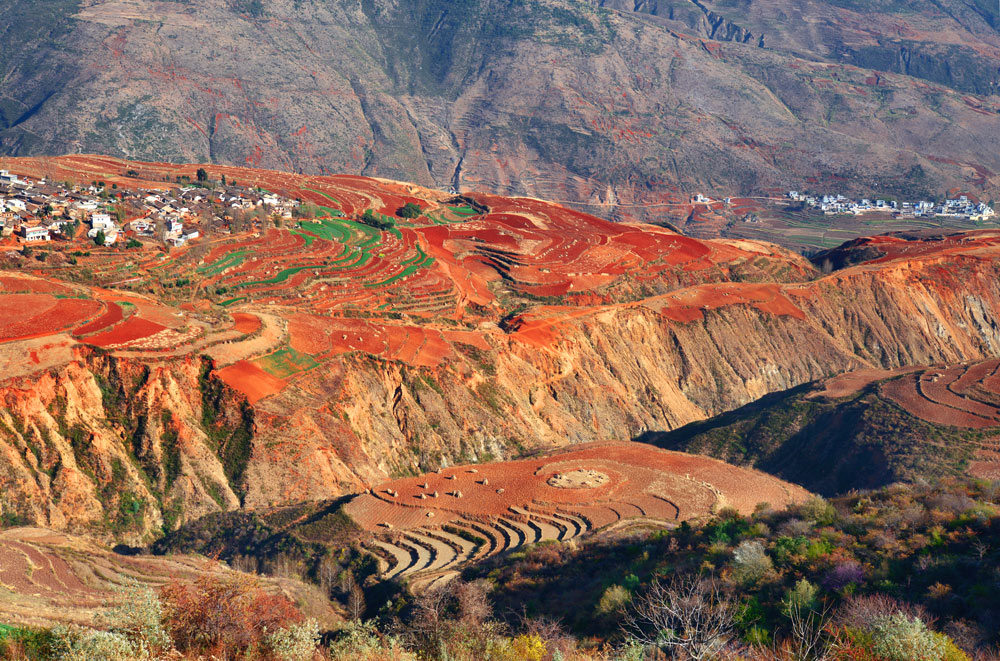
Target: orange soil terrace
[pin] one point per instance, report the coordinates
(335, 286)
(959, 396)
(556, 496)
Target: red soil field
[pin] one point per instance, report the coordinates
(135, 328)
(36, 315)
(20, 283)
(904, 392)
(109, 318)
(251, 380)
(248, 324)
(634, 473)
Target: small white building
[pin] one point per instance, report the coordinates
(101, 221)
(8, 178)
(35, 233)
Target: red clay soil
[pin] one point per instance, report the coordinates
(247, 324)
(251, 380)
(973, 375)
(50, 572)
(688, 304)
(22, 283)
(936, 389)
(37, 315)
(847, 384)
(14, 569)
(326, 337)
(668, 484)
(904, 392)
(110, 318)
(135, 328)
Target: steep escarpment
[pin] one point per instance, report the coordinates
(132, 447)
(566, 376)
(118, 447)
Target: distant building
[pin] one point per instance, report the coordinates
(35, 233)
(101, 221)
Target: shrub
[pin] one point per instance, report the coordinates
(844, 574)
(613, 599)
(750, 562)
(361, 641)
(80, 644)
(803, 597)
(409, 210)
(818, 511)
(295, 643)
(231, 613)
(138, 616)
(900, 638)
(525, 647)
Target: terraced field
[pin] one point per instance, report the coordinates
(409, 290)
(48, 577)
(963, 396)
(428, 527)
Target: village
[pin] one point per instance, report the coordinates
(39, 211)
(960, 207)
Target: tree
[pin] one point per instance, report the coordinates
(410, 210)
(377, 221)
(202, 175)
(100, 238)
(690, 615)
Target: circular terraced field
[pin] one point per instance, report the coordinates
(429, 526)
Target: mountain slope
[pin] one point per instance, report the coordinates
(522, 327)
(617, 106)
(861, 430)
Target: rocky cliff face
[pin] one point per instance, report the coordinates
(131, 448)
(625, 370)
(116, 447)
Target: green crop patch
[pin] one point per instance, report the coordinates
(313, 190)
(281, 277)
(286, 362)
(409, 270)
(232, 259)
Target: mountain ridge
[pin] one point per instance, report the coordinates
(506, 96)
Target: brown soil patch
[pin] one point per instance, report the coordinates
(578, 479)
(687, 485)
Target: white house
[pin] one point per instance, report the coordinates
(37, 233)
(101, 221)
(8, 178)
